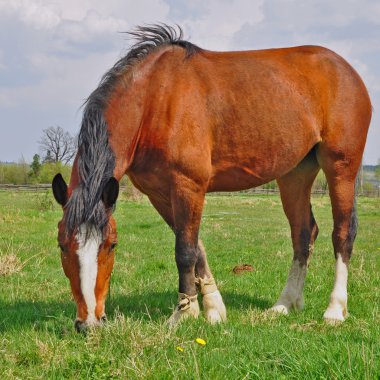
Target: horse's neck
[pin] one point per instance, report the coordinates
(124, 112)
(123, 115)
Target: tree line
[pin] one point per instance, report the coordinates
(57, 149)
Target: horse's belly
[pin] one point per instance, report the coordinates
(235, 178)
(245, 171)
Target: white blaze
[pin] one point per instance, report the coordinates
(89, 241)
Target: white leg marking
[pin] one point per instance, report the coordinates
(88, 263)
(292, 295)
(337, 309)
(214, 307)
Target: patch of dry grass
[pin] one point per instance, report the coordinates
(10, 264)
(9, 261)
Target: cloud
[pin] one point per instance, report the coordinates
(90, 27)
(76, 25)
(63, 77)
(67, 29)
(37, 14)
(93, 33)
(211, 24)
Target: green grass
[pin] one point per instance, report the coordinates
(37, 338)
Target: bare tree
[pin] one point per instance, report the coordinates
(57, 145)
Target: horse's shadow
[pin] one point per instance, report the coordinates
(152, 306)
(156, 305)
(34, 314)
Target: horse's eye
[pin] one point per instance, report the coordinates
(112, 247)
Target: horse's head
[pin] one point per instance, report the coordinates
(87, 254)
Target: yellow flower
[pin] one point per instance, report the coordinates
(200, 341)
(179, 348)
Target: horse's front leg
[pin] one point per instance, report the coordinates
(187, 206)
(186, 257)
(213, 305)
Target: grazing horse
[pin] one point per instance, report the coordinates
(182, 121)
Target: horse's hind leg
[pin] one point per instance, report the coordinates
(215, 310)
(341, 175)
(295, 189)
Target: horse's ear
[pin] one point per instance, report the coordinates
(59, 189)
(110, 192)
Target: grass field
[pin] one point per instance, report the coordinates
(37, 338)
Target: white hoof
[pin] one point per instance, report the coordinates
(214, 307)
(279, 309)
(335, 314)
(286, 303)
(188, 306)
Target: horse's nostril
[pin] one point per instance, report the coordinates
(80, 326)
(103, 318)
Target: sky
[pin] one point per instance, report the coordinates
(54, 52)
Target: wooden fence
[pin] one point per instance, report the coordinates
(43, 187)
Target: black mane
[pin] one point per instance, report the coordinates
(96, 160)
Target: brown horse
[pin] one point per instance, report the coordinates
(181, 121)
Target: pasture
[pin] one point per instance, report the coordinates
(37, 337)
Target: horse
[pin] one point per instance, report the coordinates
(181, 121)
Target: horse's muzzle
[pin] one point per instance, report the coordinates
(83, 326)
(80, 326)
